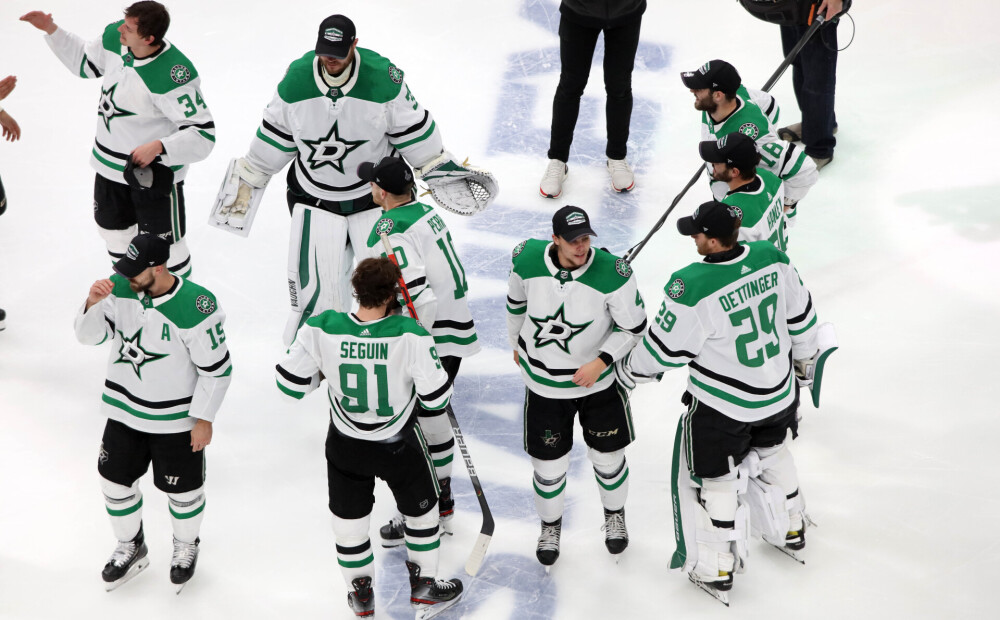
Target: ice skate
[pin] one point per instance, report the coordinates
(362, 600)
(547, 551)
(429, 596)
(795, 540)
(182, 563)
(717, 590)
(552, 182)
(446, 505)
(128, 560)
(393, 533)
(714, 573)
(615, 532)
(622, 177)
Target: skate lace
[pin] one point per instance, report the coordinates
(123, 553)
(445, 586)
(619, 165)
(555, 170)
(184, 554)
(396, 523)
(614, 525)
(549, 540)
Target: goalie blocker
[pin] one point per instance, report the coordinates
(459, 188)
(240, 194)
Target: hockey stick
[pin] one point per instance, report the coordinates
(475, 560)
(635, 249)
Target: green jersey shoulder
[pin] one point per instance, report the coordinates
(693, 283)
(397, 221)
(340, 324)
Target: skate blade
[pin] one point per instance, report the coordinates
(137, 568)
(424, 612)
(722, 597)
(795, 555)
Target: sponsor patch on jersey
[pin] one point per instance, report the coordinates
(676, 289)
(180, 74)
(395, 74)
(736, 211)
(384, 226)
(623, 268)
(518, 249)
(204, 304)
(749, 129)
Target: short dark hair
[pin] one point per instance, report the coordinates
(153, 19)
(732, 238)
(375, 281)
(749, 173)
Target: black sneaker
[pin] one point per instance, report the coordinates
(427, 592)
(615, 532)
(362, 600)
(547, 551)
(128, 560)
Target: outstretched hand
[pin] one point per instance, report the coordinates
(40, 20)
(7, 85)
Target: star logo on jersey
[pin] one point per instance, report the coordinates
(132, 352)
(204, 304)
(108, 110)
(550, 440)
(331, 150)
(556, 329)
(749, 129)
(384, 226)
(676, 289)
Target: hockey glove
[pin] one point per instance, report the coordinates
(238, 197)
(629, 378)
(460, 188)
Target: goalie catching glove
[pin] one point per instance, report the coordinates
(241, 191)
(809, 372)
(460, 188)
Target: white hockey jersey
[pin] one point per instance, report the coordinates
(328, 130)
(789, 163)
(433, 274)
(761, 205)
(154, 98)
(559, 320)
(376, 371)
(169, 362)
(737, 325)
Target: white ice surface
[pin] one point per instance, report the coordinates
(899, 244)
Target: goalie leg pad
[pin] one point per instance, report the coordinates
(319, 261)
(550, 487)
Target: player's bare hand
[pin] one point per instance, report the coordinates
(201, 435)
(11, 130)
(7, 85)
(144, 154)
(832, 8)
(517, 359)
(588, 374)
(40, 20)
(99, 290)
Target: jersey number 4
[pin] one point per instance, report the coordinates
(766, 311)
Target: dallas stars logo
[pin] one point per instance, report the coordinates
(132, 352)
(108, 109)
(556, 329)
(676, 289)
(383, 226)
(331, 150)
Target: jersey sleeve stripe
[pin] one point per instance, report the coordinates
(635, 330)
(426, 134)
(660, 360)
(517, 310)
(292, 393)
(291, 378)
(436, 394)
(208, 125)
(797, 332)
(447, 324)
(666, 350)
(459, 340)
(416, 282)
(216, 365)
(413, 128)
(805, 313)
(287, 137)
(270, 141)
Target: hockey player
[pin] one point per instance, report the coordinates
(11, 132)
(151, 110)
(572, 311)
(168, 372)
(756, 194)
(438, 289)
(745, 325)
(378, 368)
(727, 106)
(336, 107)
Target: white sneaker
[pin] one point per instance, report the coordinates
(622, 178)
(555, 174)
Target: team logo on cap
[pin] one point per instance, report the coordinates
(204, 304)
(722, 141)
(384, 226)
(395, 74)
(623, 268)
(518, 249)
(749, 129)
(704, 68)
(132, 252)
(576, 218)
(180, 74)
(676, 289)
(333, 35)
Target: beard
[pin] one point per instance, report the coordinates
(706, 105)
(138, 285)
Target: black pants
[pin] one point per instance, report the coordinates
(576, 52)
(814, 78)
(3, 198)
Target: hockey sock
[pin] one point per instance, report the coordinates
(354, 549)
(550, 486)
(611, 472)
(124, 505)
(117, 240)
(179, 262)
(186, 512)
(440, 442)
(423, 540)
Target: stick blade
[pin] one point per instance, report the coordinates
(478, 554)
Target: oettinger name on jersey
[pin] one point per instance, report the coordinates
(555, 329)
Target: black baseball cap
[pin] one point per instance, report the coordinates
(155, 178)
(715, 219)
(391, 174)
(336, 34)
(571, 223)
(145, 251)
(715, 75)
(735, 149)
